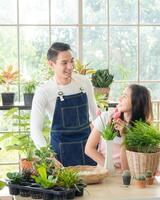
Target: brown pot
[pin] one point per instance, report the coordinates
(104, 91)
(26, 165)
(140, 183)
(149, 181)
(139, 163)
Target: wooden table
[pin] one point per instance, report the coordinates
(112, 189)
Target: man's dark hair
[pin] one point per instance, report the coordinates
(55, 48)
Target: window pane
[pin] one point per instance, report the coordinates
(4, 169)
(95, 47)
(67, 35)
(33, 12)
(154, 90)
(8, 46)
(8, 12)
(150, 11)
(34, 44)
(150, 53)
(123, 52)
(64, 12)
(95, 12)
(123, 11)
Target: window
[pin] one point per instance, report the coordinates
(120, 35)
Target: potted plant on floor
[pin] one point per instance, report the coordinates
(8, 76)
(29, 88)
(142, 148)
(102, 80)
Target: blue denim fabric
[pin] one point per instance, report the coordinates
(70, 130)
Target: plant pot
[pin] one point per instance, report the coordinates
(28, 98)
(70, 193)
(126, 180)
(8, 99)
(26, 165)
(104, 91)
(149, 181)
(79, 190)
(109, 158)
(140, 183)
(35, 191)
(139, 163)
(13, 189)
(57, 193)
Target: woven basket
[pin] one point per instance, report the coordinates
(139, 163)
(90, 174)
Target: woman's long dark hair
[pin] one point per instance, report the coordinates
(141, 103)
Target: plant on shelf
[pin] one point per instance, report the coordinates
(142, 145)
(14, 177)
(102, 80)
(8, 76)
(126, 176)
(82, 69)
(29, 89)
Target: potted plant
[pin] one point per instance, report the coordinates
(140, 181)
(149, 177)
(29, 88)
(14, 179)
(68, 179)
(126, 177)
(49, 183)
(7, 77)
(102, 80)
(142, 148)
(20, 142)
(82, 69)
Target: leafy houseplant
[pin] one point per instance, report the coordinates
(20, 142)
(7, 77)
(126, 176)
(82, 69)
(68, 179)
(102, 79)
(142, 142)
(29, 88)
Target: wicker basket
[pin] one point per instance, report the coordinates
(91, 174)
(139, 163)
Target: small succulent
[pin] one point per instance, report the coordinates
(126, 173)
(148, 174)
(141, 177)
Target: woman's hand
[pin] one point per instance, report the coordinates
(120, 125)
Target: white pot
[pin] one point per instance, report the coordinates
(109, 157)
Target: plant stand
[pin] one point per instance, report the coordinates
(109, 157)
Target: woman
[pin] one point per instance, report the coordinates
(134, 104)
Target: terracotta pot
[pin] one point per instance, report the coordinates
(139, 163)
(149, 181)
(26, 165)
(140, 183)
(104, 91)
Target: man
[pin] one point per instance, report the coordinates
(68, 100)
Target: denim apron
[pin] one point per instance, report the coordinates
(70, 129)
